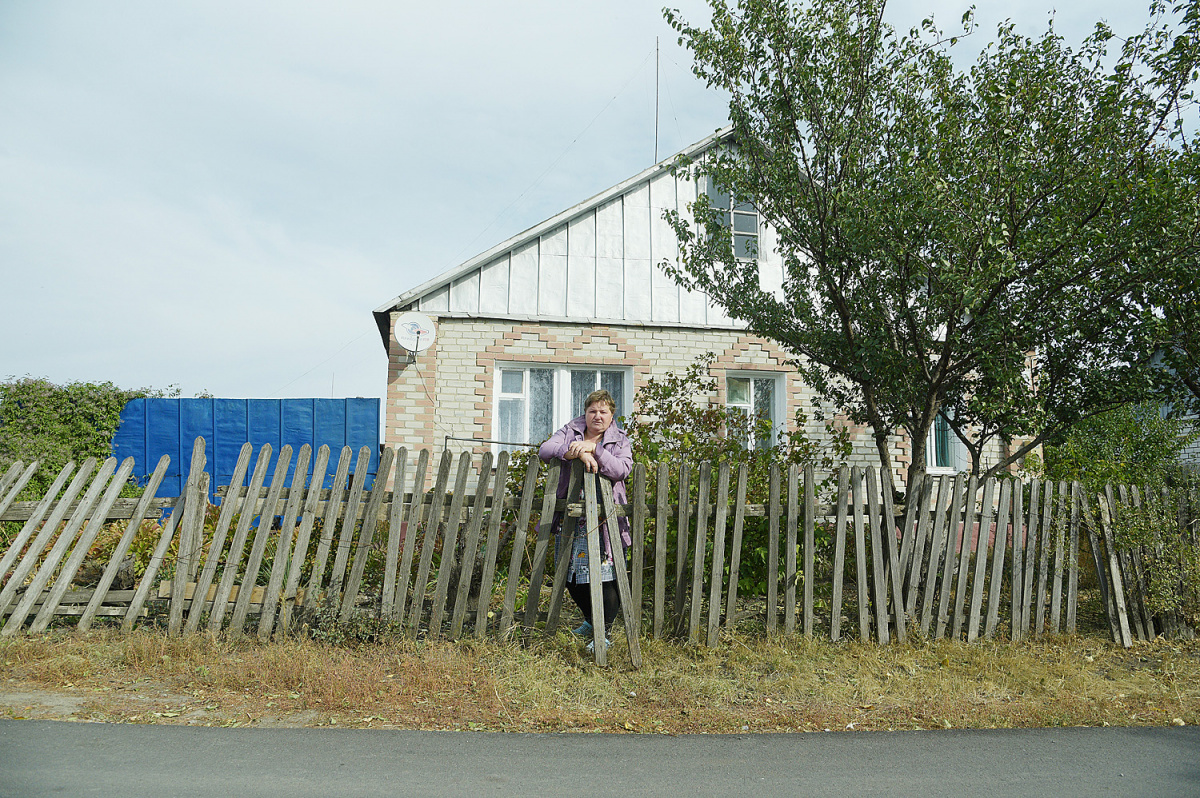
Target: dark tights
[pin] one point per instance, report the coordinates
(582, 595)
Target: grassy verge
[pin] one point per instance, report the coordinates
(745, 685)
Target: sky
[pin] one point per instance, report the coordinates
(212, 196)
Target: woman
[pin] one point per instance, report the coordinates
(605, 449)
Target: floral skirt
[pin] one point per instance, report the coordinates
(579, 571)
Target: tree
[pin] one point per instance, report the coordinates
(973, 243)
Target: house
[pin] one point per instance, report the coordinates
(524, 331)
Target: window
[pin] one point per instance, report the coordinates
(758, 396)
(945, 452)
(744, 221)
(534, 401)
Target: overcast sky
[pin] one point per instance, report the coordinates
(216, 195)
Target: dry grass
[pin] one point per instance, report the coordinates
(747, 684)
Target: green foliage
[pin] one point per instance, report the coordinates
(1169, 554)
(1134, 445)
(985, 243)
(58, 423)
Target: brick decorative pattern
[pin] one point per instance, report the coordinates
(444, 397)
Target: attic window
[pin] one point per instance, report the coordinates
(744, 221)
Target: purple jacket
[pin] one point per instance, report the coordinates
(614, 455)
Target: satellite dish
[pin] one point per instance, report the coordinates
(414, 331)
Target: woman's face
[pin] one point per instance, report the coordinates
(598, 416)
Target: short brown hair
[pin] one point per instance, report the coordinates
(601, 396)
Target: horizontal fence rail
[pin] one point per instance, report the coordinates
(473, 553)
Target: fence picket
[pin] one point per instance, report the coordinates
(15, 481)
(316, 579)
(964, 557)
(283, 546)
(879, 597)
(632, 628)
(100, 592)
(981, 559)
(308, 520)
(341, 560)
(562, 563)
(1060, 538)
(233, 559)
(231, 501)
(470, 544)
(735, 550)
(156, 560)
(537, 571)
(892, 575)
(698, 547)
(366, 534)
(1045, 543)
(937, 548)
(773, 551)
(1032, 536)
(449, 545)
(860, 554)
(660, 549)
(1114, 572)
(946, 588)
(88, 535)
(638, 533)
(718, 557)
(789, 555)
(839, 555)
(262, 533)
(432, 522)
(520, 531)
(191, 534)
(682, 527)
(487, 580)
(600, 622)
(1073, 561)
(391, 557)
(999, 551)
(917, 562)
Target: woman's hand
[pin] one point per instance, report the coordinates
(589, 462)
(579, 448)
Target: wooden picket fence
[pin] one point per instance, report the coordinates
(960, 559)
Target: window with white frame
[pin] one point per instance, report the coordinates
(741, 218)
(945, 453)
(760, 396)
(534, 400)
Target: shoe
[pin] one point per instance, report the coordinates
(583, 631)
(591, 647)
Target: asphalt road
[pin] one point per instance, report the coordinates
(49, 758)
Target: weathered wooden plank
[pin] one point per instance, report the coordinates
(1060, 538)
(999, 550)
(937, 548)
(698, 551)
(44, 535)
(632, 628)
(67, 574)
(101, 592)
(735, 549)
(879, 597)
(660, 549)
(839, 555)
(860, 554)
(229, 505)
(718, 560)
(562, 564)
(416, 518)
(908, 535)
(893, 577)
(1017, 575)
(810, 574)
(682, 527)
(1094, 537)
(122, 509)
(449, 545)
(1114, 572)
(537, 570)
(917, 555)
(329, 522)
(1045, 543)
(773, 500)
(366, 534)
(595, 587)
(233, 558)
(964, 554)
(1032, 535)
(789, 557)
(237, 621)
(470, 545)
(341, 560)
(520, 532)
(429, 540)
(283, 546)
(1073, 561)
(292, 595)
(1136, 557)
(191, 533)
(953, 523)
(1128, 580)
(391, 558)
(45, 570)
(488, 578)
(981, 559)
(142, 592)
(15, 480)
(638, 534)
